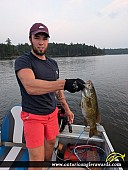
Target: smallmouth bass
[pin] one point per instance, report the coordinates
(89, 107)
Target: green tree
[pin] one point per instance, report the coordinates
(8, 41)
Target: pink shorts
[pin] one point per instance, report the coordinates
(39, 127)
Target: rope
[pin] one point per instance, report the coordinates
(76, 147)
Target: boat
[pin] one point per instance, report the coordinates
(73, 146)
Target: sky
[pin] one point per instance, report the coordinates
(103, 23)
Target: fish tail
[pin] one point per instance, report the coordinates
(93, 132)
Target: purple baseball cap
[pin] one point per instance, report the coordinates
(39, 27)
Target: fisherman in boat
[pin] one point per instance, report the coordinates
(38, 79)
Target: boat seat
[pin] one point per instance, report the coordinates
(12, 140)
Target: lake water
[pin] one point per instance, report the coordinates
(109, 75)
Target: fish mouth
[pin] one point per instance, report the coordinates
(85, 88)
(86, 92)
(89, 85)
(88, 89)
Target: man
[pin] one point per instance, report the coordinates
(37, 76)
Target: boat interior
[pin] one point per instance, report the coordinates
(77, 146)
(72, 144)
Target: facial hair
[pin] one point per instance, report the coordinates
(37, 52)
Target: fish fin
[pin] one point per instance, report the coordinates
(93, 132)
(98, 117)
(82, 104)
(85, 122)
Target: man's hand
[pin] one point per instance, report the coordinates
(70, 116)
(74, 85)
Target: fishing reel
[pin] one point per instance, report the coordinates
(62, 119)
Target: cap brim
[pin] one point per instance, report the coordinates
(39, 31)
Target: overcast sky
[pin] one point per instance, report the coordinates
(100, 22)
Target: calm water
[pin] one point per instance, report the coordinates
(109, 76)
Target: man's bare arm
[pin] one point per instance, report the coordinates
(61, 98)
(36, 86)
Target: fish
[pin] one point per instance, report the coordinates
(89, 107)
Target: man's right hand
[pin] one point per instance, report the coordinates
(74, 85)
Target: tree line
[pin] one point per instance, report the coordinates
(116, 51)
(10, 51)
